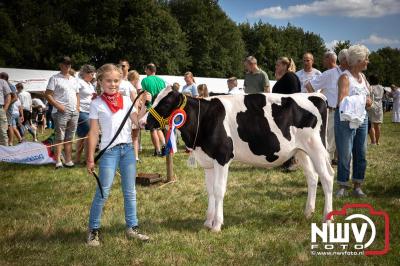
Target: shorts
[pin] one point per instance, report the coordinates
(65, 125)
(83, 125)
(14, 120)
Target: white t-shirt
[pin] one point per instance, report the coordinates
(236, 90)
(15, 107)
(26, 100)
(65, 90)
(190, 89)
(327, 82)
(352, 107)
(356, 88)
(38, 102)
(125, 88)
(109, 122)
(86, 90)
(306, 76)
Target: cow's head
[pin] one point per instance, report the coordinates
(166, 102)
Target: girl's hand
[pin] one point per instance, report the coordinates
(90, 166)
(147, 97)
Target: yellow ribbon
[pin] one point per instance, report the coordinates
(164, 121)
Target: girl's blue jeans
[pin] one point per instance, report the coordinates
(121, 156)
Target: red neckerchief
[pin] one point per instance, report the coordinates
(113, 101)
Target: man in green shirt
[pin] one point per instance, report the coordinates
(153, 85)
(255, 79)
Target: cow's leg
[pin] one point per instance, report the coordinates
(320, 158)
(220, 180)
(312, 181)
(209, 176)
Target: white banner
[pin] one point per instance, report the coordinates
(26, 153)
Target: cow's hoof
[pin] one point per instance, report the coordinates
(208, 224)
(309, 214)
(215, 230)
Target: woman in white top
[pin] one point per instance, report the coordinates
(86, 94)
(351, 141)
(396, 104)
(375, 112)
(106, 114)
(190, 88)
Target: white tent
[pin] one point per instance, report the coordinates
(33, 80)
(36, 80)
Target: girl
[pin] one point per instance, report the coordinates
(203, 91)
(106, 114)
(133, 78)
(190, 87)
(40, 120)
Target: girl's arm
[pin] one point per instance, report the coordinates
(93, 138)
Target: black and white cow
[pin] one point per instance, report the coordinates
(259, 129)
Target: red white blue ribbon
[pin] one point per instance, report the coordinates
(176, 120)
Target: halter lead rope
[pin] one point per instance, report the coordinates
(198, 125)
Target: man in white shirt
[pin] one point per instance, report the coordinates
(26, 103)
(327, 84)
(308, 72)
(63, 93)
(125, 87)
(124, 65)
(233, 86)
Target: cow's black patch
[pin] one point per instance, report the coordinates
(212, 137)
(254, 129)
(322, 108)
(289, 113)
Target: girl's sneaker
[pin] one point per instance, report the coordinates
(133, 232)
(93, 239)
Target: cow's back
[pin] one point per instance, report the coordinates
(267, 129)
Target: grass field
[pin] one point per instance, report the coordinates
(44, 214)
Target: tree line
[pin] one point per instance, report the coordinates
(177, 35)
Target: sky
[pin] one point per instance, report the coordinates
(374, 23)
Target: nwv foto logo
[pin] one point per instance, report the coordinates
(338, 236)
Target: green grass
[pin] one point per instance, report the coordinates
(44, 214)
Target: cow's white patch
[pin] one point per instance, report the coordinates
(161, 95)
